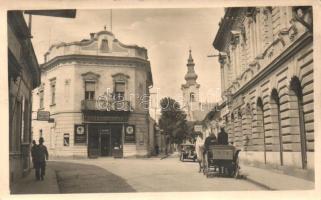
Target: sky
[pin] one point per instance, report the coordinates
(167, 34)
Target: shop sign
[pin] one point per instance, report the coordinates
(105, 118)
(43, 115)
(80, 134)
(130, 133)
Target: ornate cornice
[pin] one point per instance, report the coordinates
(272, 66)
(92, 59)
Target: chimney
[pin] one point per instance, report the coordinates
(92, 35)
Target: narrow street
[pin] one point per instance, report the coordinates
(139, 175)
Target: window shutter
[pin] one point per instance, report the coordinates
(90, 86)
(120, 87)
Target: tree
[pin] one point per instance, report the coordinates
(173, 121)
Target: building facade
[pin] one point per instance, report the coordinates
(23, 77)
(97, 93)
(266, 57)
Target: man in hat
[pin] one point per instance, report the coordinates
(41, 155)
(222, 137)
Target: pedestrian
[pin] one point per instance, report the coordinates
(199, 147)
(209, 141)
(41, 155)
(33, 152)
(222, 137)
(157, 149)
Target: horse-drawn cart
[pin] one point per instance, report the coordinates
(223, 158)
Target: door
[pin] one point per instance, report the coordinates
(105, 142)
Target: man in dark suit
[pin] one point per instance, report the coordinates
(222, 137)
(41, 155)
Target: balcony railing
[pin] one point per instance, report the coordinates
(103, 105)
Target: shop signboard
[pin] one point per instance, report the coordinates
(130, 134)
(80, 134)
(43, 115)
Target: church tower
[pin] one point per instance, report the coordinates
(190, 89)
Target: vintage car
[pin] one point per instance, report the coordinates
(187, 152)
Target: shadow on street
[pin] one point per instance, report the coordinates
(83, 178)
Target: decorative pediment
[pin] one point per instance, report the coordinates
(120, 77)
(90, 76)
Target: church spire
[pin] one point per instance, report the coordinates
(190, 76)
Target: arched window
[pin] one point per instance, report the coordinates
(192, 97)
(104, 45)
(276, 112)
(296, 96)
(260, 124)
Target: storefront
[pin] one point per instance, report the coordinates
(107, 139)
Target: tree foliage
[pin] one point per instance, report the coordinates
(173, 120)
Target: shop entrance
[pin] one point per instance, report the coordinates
(105, 142)
(102, 139)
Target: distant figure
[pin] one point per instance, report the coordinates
(210, 140)
(222, 137)
(33, 153)
(156, 149)
(41, 155)
(199, 147)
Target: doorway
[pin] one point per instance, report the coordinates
(105, 141)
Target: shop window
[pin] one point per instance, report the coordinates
(90, 90)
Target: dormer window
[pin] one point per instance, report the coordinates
(104, 45)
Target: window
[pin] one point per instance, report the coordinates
(104, 45)
(41, 99)
(119, 91)
(192, 97)
(53, 91)
(90, 90)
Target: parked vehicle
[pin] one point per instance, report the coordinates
(224, 157)
(187, 151)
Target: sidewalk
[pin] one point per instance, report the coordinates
(28, 184)
(274, 180)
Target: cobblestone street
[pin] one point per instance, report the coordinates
(139, 175)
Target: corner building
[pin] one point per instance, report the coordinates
(266, 57)
(97, 92)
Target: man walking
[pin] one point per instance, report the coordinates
(33, 153)
(41, 155)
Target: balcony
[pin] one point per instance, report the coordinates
(104, 105)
